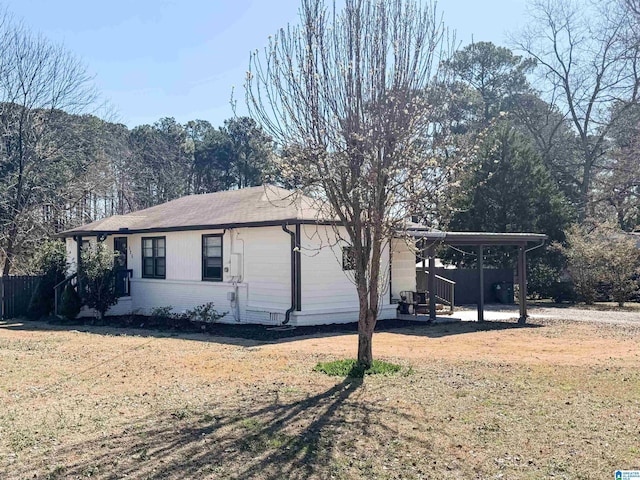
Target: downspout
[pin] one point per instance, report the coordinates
(298, 277)
(536, 247)
(287, 314)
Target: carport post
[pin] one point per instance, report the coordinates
(480, 284)
(522, 279)
(432, 283)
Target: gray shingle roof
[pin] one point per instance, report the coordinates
(266, 204)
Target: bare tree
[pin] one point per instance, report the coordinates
(38, 81)
(345, 93)
(588, 66)
(633, 6)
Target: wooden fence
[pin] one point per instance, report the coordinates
(467, 282)
(15, 295)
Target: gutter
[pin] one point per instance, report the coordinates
(186, 228)
(287, 314)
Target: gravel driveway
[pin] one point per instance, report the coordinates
(586, 315)
(504, 312)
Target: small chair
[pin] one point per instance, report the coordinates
(416, 299)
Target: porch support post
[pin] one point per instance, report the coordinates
(480, 284)
(78, 239)
(432, 284)
(522, 279)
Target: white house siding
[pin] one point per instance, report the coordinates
(183, 287)
(267, 270)
(257, 269)
(403, 268)
(329, 293)
(182, 295)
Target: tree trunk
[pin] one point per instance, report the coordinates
(365, 352)
(365, 341)
(366, 325)
(9, 251)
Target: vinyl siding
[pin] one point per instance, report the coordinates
(403, 268)
(262, 281)
(326, 287)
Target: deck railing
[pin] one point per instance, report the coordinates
(445, 291)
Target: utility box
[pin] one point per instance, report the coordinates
(235, 266)
(231, 296)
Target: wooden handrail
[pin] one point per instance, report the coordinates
(445, 280)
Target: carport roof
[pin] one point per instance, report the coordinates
(477, 238)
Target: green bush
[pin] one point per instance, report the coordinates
(602, 261)
(562, 291)
(70, 303)
(51, 262)
(204, 313)
(351, 368)
(161, 312)
(98, 278)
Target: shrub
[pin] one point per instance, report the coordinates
(623, 264)
(98, 278)
(351, 368)
(161, 312)
(200, 314)
(543, 280)
(204, 313)
(601, 256)
(51, 262)
(562, 291)
(70, 303)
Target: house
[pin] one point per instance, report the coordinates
(260, 254)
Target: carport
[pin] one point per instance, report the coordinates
(479, 240)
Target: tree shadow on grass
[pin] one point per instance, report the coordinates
(249, 335)
(275, 440)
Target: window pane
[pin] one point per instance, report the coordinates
(160, 267)
(147, 247)
(213, 272)
(213, 241)
(148, 267)
(348, 258)
(213, 251)
(160, 247)
(213, 262)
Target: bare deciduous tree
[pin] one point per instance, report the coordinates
(38, 80)
(588, 65)
(345, 94)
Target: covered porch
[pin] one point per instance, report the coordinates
(431, 240)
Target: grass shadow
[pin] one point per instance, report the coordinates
(253, 335)
(290, 439)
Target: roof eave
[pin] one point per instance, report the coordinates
(186, 228)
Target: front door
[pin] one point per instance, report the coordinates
(120, 246)
(122, 275)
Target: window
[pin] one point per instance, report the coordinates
(348, 258)
(154, 257)
(212, 257)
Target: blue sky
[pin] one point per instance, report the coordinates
(159, 58)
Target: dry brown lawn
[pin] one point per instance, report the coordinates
(556, 399)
